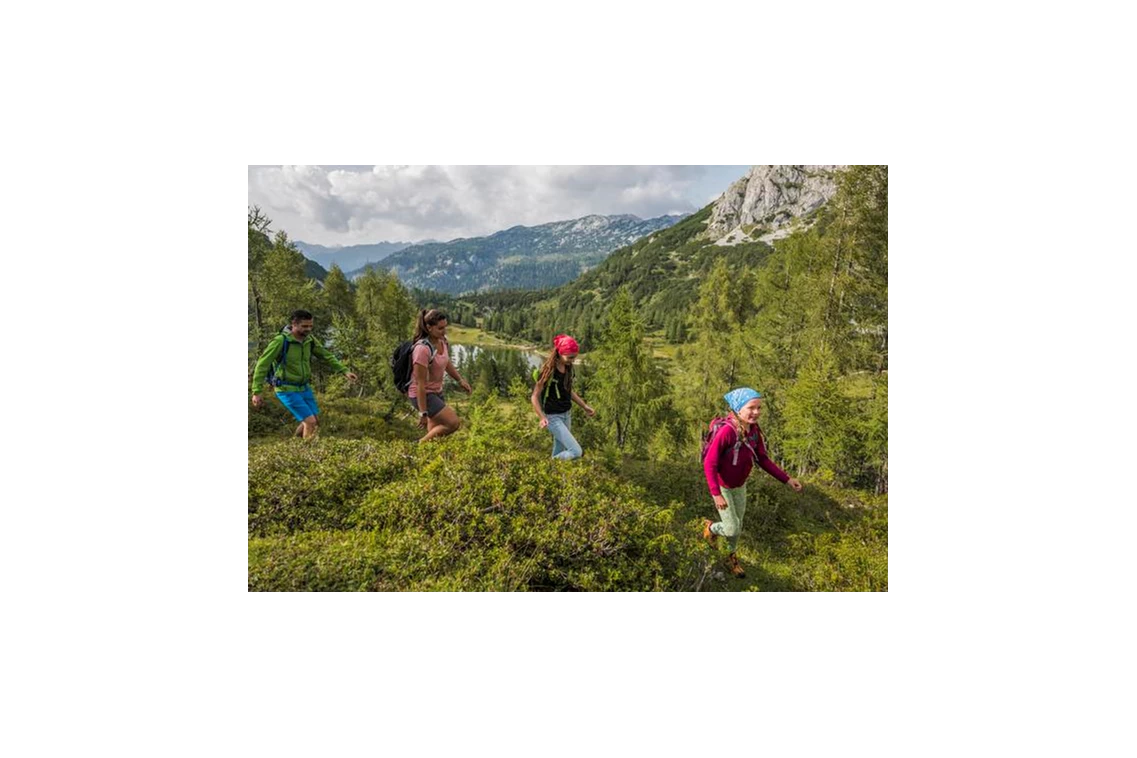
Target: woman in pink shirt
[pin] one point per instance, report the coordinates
(727, 461)
(430, 360)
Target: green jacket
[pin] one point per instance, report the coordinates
(298, 371)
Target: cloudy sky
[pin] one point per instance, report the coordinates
(349, 205)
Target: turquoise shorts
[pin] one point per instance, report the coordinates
(301, 403)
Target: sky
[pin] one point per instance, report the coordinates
(351, 205)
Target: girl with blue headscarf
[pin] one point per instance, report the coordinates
(729, 458)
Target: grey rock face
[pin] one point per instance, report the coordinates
(770, 197)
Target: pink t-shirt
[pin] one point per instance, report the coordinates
(435, 370)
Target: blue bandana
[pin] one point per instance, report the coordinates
(740, 397)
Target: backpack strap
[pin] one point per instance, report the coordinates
(745, 440)
(552, 381)
(280, 364)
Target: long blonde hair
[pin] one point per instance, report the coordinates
(745, 431)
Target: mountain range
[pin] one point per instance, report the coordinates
(350, 257)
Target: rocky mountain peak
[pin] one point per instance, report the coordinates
(762, 204)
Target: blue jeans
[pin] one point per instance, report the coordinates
(565, 446)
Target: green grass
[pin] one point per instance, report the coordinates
(364, 507)
(819, 539)
(467, 335)
(661, 348)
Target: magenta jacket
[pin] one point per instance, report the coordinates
(723, 471)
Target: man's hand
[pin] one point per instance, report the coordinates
(257, 402)
(720, 502)
(351, 377)
(795, 484)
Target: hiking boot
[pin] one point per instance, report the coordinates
(734, 566)
(711, 538)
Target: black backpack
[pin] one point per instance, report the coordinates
(551, 384)
(401, 363)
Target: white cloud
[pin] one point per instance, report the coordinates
(351, 205)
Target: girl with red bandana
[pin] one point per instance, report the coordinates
(553, 397)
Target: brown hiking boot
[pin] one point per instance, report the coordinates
(711, 538)
(734, 566)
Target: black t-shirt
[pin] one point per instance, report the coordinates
(556, 397)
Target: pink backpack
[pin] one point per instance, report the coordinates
(750, 441)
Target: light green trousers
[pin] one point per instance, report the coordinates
(731, 524)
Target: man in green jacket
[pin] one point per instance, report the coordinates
(286, 364)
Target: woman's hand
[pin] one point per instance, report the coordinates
(590, 411)
(795, 484)
(421, 421)
(466, 386)
(720, 502)
(544, 422)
